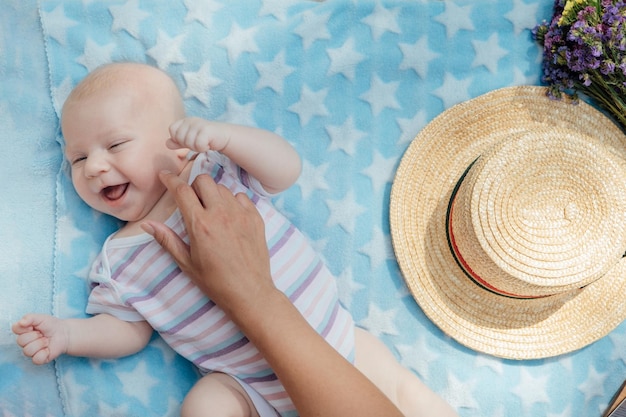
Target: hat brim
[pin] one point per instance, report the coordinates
(425, 179)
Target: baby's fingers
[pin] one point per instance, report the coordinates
(41, 357)
(37, 349)
(178, 131)
(28, 337)
(173, 144)
(22, 326)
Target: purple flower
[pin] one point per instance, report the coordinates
(584, 50)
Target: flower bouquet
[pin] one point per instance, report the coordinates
(584, 51)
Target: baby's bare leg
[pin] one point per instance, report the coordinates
(217, 395)
(401, 385)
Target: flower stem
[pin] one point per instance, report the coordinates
(607, 98)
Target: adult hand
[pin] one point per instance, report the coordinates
(228, 259)
(227, 255)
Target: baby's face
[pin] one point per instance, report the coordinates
(115, 144)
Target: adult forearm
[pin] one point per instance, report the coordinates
(227, 257)
(318, 379)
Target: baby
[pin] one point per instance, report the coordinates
(116, 124)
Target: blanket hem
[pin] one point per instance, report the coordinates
(61, 389)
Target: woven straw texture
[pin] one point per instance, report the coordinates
(540, 214)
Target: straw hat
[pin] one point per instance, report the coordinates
(508, 219)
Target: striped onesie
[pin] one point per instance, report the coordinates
(134, 279)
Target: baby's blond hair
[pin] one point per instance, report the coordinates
(110, 75)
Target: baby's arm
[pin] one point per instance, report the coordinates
(263, 154)
(44, 338)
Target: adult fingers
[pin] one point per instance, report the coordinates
(170, 241)
(186, 198)
(245, 201)
(208, 191)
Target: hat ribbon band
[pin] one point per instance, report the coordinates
(467, 269)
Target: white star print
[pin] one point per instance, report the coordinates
(566, 363)
(311, 104)
(499, 412)
(403, 290)
(519, 78)
(619, 341)
(531, 390)
(382, 20)
(277, 8)
(381, 95)
(60, 93)
(452, 91)
(418, 357)
(523, 16)
(202, 11)
(344, 212)
(490, 362)
(488, 53)
(344, 60)
(455, 18)
(567, 412)
(110, 411)
(239, 41)
(272, 74)
(95, 55)
(380, 171)
(128, 17)
(167, 50)
(347, 287)
(379, 322)
(57, 24)
(459, 393)
(411, 127)
(417, 56)
(166, 351)
(319, 245)
(138, 382)
(240, 114)
(77, 406)
(313, 27)
(200, 83)
(68, 305)
(312, 178)
(345, 137)
(593, 386)
(173, 407)
(378, 249)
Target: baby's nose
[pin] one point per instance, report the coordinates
(95, 165)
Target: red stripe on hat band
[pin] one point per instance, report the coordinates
(468, 269)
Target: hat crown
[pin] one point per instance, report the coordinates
(541, 213)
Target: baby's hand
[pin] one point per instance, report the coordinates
(41, 337)
(197, 134)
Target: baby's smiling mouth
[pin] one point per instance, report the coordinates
(114, 192)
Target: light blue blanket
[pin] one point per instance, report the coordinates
(349, 83)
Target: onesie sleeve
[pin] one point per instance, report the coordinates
(244, 177)
(106, 296)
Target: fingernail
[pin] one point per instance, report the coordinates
(147, 228)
